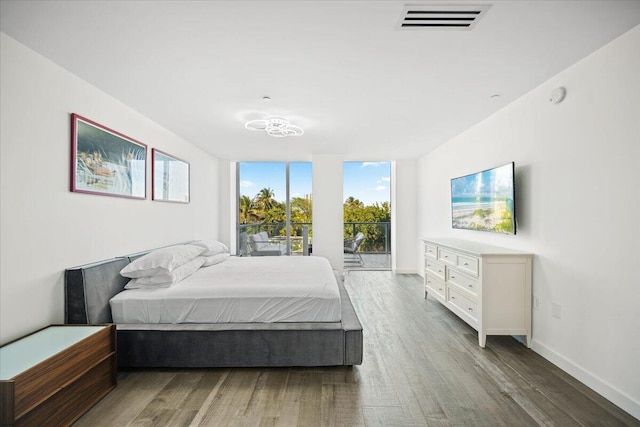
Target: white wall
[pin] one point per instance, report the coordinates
(404, 217)
(578, 200)
(44, 227)
(227, 213)
(328, 209)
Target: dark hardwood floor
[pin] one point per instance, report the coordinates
(422, 367)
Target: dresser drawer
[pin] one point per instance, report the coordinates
(447, 256)
(463, 304)
(468, 264)
(469, 284)
(435, 268)
(430, 251)
(433, 284)
(486, 286)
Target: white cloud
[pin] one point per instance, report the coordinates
(381, 188)
(386, 178)
(246, 184)
(373, 164)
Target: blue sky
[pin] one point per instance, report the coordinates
(367, 181)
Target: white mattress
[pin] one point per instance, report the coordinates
(239, 290)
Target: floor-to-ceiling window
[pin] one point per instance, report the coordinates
(274, 208)
(367, 215)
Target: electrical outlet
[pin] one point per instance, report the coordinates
(556, 310)
(537, 303)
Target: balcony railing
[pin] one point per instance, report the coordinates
(300, 235)
(377, 235)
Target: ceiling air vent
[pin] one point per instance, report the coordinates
(428, 17)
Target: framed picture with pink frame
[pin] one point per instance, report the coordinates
(170, 177)
(106, 162)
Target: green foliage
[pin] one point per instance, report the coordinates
(372, 220)
(301, 209)
(264, 201)
(356, 213)
(277, 213)
(247, 210)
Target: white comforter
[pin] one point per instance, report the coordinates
(239, 290)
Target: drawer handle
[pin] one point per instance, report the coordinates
(466, 263)
(470, 309)
(439, 289)
(453, 277)
(453, 297)
(471, 286)
(446, 256)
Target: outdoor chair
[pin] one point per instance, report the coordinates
(351, 246)
(262, 245)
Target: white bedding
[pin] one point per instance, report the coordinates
(239, 290)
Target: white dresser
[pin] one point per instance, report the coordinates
(487, 286)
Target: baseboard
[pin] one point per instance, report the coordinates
(609, 392)
(405, 271)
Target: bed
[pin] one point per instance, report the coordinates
(268, 333)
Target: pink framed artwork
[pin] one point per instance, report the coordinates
(106, 162)
(170, 177)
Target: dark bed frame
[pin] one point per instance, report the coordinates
(88, 289)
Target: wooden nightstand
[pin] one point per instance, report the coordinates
(56, 374)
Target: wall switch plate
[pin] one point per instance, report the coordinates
(556, 310)
(537, 303)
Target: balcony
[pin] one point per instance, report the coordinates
(374, 252)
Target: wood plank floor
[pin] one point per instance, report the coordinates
(422, 367)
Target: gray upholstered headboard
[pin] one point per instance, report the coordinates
(88, 289)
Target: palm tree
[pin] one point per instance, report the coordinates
(264, 200)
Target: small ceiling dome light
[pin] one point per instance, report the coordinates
(275, 126)
(266, 98)
(557, 95)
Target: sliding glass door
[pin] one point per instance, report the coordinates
(274, 208)
(367, 215)
(300, 214)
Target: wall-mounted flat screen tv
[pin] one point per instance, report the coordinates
(485, 201)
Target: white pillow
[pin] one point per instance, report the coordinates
(168, 279)
(161, 261)
(212, 247)
(214, 259)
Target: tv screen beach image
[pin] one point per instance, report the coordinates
(484, 201)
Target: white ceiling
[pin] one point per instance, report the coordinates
(339, 69)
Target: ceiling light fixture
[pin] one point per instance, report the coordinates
(557, 95)
(275, 126)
